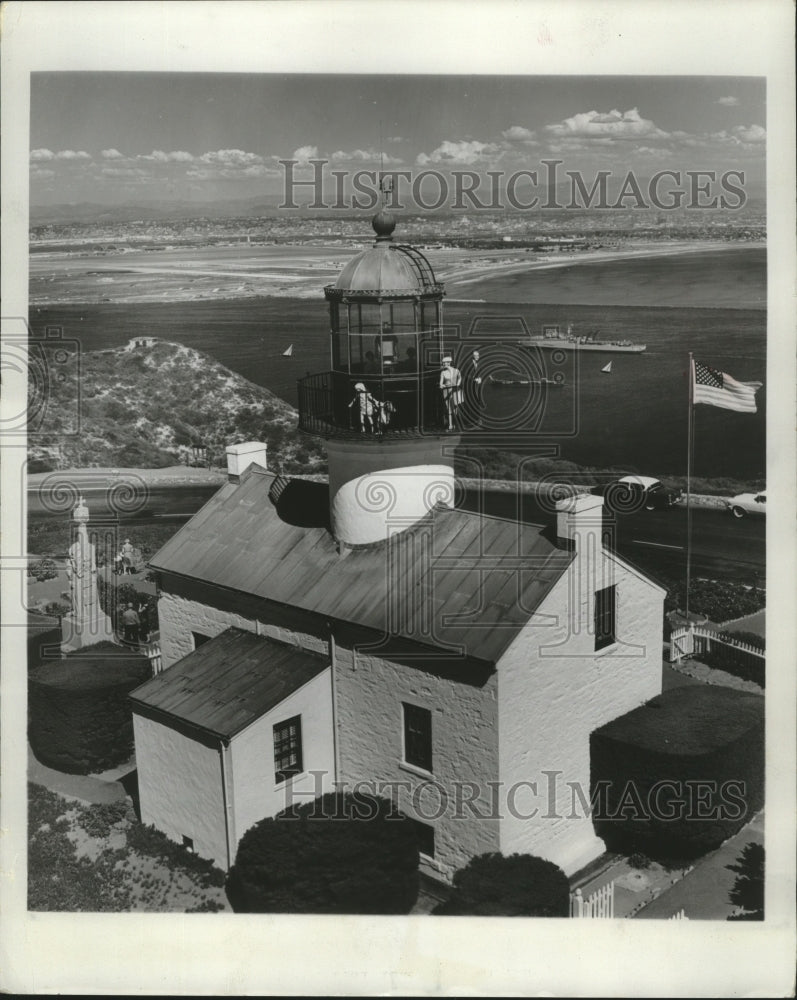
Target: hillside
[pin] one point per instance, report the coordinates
(146, 407)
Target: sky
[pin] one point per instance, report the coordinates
(117, 138)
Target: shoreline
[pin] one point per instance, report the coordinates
(297, 282)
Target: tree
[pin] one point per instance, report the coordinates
(748, 889)
(520, 885)
(342, 853)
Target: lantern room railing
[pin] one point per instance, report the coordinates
(330, 406)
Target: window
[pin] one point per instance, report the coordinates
(288, 749)
(418, 737)
(199, 639)
(605, 602)
(425, 834)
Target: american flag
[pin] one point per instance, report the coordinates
(718, 389)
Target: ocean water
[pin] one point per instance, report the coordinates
(731, 278)
(635, 418)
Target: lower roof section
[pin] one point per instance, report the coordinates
(229, 682)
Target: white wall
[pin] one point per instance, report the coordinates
(554, 689)
(255, 794)
(178, 617)
(370, 692)
(180, 787)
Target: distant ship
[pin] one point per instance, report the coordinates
(554, 337)
(607, 369)
(288, 352)
(523, 381)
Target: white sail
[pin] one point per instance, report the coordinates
(288, 352)
(607, 368)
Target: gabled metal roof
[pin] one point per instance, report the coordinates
(229, 682)
(457, 580)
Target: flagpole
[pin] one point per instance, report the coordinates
(689, 442)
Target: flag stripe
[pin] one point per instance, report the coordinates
(718, 389)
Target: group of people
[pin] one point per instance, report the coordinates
(373, 414)
(125, 560)
(132, 624)
(456, 388)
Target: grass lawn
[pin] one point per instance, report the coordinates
(99, 858)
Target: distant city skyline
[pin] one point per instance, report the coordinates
(116, 138)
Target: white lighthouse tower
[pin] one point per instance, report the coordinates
(380, 407)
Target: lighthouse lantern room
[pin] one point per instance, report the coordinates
(379, 406)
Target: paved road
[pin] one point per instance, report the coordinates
(654, 540)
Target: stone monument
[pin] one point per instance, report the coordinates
(86, 623)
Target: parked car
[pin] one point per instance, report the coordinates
(747, 503)
(633, 493)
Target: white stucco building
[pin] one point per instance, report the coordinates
(368, 631)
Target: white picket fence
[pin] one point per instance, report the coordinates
(682, 642)
(152, 651)
(680, 915)
(598, 904)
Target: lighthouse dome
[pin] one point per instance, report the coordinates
(387, 268)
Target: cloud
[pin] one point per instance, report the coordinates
(516, 133)
(42, 174)
(728, 102)
(158, 156)
(612, 125)
(38, 155)
(126, 172)
(71, 154)
(231, 158)
(305, 153)
(750, 133)
(466, 151)
(369, 155)
(112, 154)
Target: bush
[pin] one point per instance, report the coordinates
(748, 889)
(44, 569)
(721, 601)
(679, 775)
(79, 717)
(520, 885)
(339, 854)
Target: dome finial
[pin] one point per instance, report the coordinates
(383, 224)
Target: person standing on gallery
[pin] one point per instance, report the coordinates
(451, 389)
(472, 381)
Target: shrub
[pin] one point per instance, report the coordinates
(679, 775)
(748, 889)
(339, 854)
(44, 569)
(97, 820)
(152, 843)
(79, 717)
(520, 885)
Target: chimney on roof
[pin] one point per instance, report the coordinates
(578, 517)
(241, 456)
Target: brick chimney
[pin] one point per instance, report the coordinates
(241, 456)
(577, 518)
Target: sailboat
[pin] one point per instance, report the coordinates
(288, 352)
(607, 369)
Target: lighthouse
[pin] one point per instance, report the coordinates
(379, 406)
